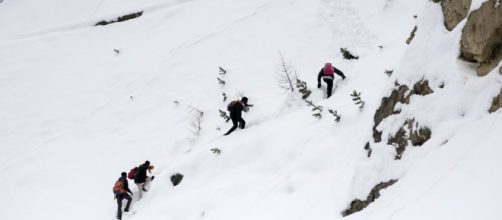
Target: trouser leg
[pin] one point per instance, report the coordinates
(140, 190)
(242, 123)
(235, 122)
(330, 86)
(147, 182)
(129, 199)
(119, 209)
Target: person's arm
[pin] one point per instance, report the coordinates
(338, 72)
(319, 79)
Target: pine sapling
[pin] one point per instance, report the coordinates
(302, 87)
(389, 72)
(335, 114)
(347, 55)
(224, 97)
(356, 97)
(216, 151)
(316, 109)
(224, 115)
(222, 71)
(220, 81)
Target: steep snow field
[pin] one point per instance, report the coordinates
(74, 114)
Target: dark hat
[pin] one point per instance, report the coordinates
(124, 174)
(147, 162)
(244, 99)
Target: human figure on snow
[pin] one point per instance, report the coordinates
(141, 179)
(235, 108)
(123, 194)
(327, 76)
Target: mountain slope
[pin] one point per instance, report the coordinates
(76, 113)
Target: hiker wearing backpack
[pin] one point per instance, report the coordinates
(122, 191)
(141, 179)
(235, 108)
(327, 75)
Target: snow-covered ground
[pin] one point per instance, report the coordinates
(74, 114)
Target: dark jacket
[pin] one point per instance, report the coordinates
(141, 174)
(125, 185)
(321, 74)
(236, 111)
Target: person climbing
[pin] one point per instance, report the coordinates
(327, 76)
(122, 191)
(235, 108)
(142, 179)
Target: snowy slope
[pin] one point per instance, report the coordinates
(75, 114)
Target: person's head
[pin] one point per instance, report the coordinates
(328, 65)
(123, 174)
(244, 100)
(147, 163)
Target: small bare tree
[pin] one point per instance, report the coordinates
(286, 75)
(196, 122)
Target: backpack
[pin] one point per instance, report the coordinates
(132, 173)
(328, 69)
(118, 188)
(232, 104)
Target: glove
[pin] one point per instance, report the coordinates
(318, 85)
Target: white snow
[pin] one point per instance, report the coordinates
(74, 114)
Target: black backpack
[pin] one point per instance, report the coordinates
(231, 106)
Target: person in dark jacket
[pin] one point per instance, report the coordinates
(141, 179)
(236, 114)
(125, 195)
(327, 75)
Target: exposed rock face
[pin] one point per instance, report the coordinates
(496, 103)
(482, 37)
(421, 88)
(412, 35)
(454, 12)
(398, 95)
(121, 19)
(387, 108)
(368, 149)
(410, 132)
(357, 205)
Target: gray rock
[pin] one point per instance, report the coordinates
(454, 12)
(412, 35)
(387, 108)
(357, 205)
(410, 132)
(481, 40)
(496, 103)
(398, 95)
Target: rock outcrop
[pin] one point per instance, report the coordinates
(496, 103)
(398, 95)
(412, 35)
(481, 40)
(387, 106)
(120, 19)
(410, 132)
(358, 205)
(454, 12)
